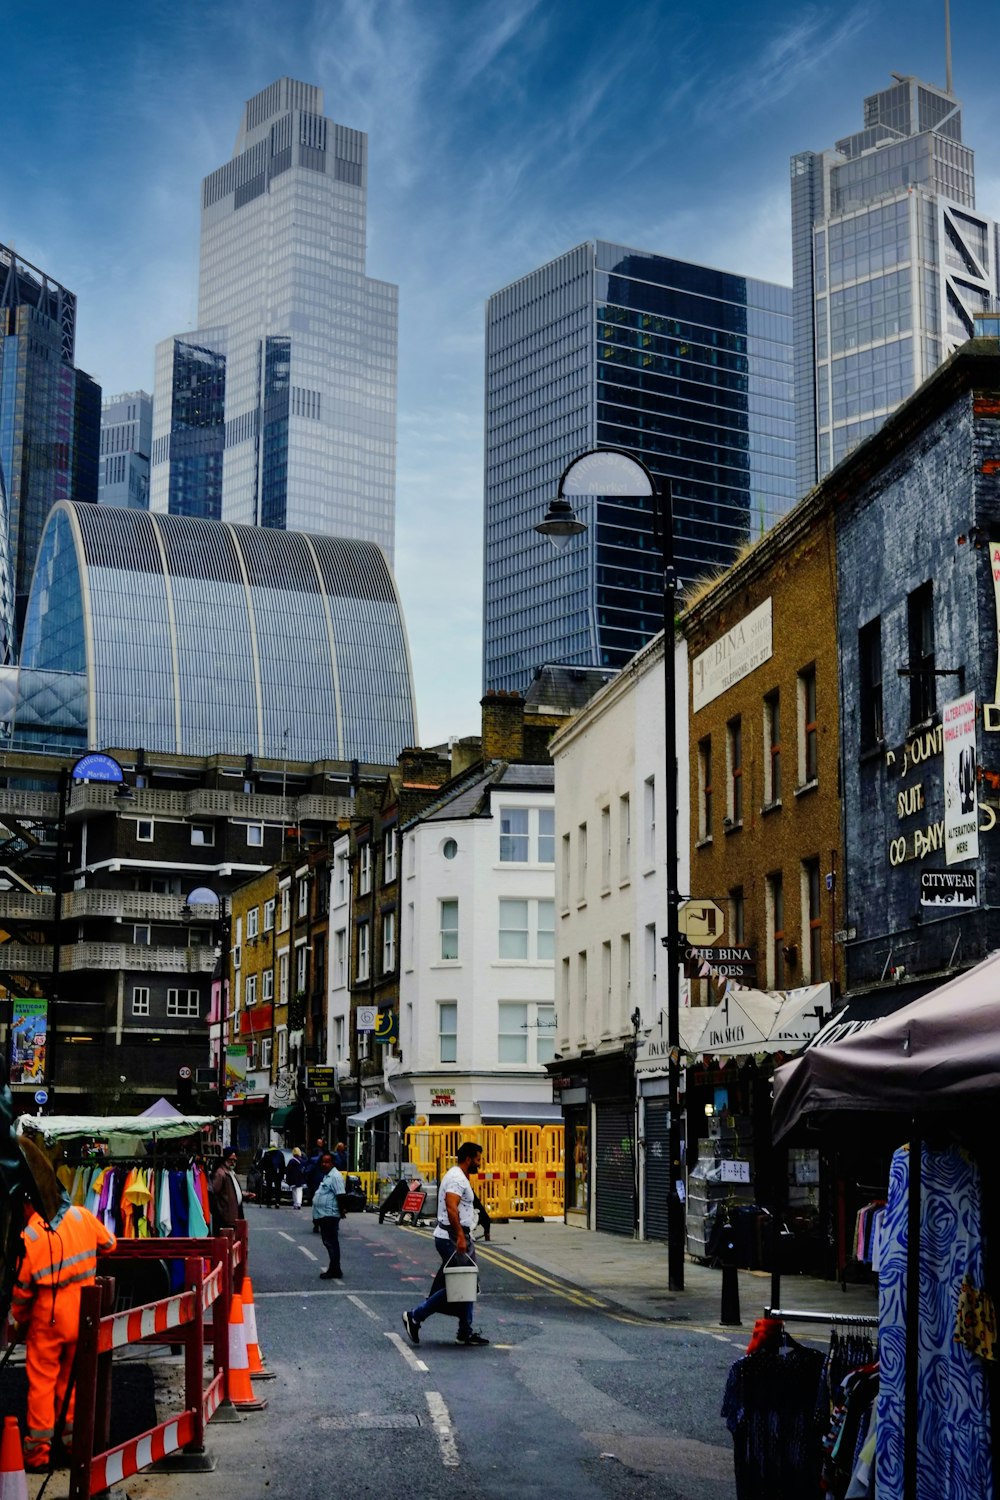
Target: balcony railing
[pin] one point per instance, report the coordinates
(200, 802)
(19, 803)
(144, 905)
(29, 958)
(26, 906)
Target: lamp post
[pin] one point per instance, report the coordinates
(94, 766)
(615, 472)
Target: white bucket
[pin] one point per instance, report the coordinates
(461, 1283)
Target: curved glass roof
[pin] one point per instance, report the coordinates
(201, 637)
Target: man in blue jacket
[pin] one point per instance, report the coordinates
(328, 1208)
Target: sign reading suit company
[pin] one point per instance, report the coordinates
(733, 656)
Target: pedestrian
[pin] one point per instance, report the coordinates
(295, 1176)
(453, 1235)
(328, 1210)
(314, 1174)
(340, 1156)
(272, 1169)
(59, 1258)
(225, 1193)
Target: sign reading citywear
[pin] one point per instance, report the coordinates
(961, 819)
(949, 888)
(733, 656)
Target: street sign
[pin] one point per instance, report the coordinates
(701, 920)
(41, 1096)
(97, 767)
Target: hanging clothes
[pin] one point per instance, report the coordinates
(769, 1406)
(953, 1434)
(163, 1206)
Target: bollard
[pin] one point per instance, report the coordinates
(729, 1313)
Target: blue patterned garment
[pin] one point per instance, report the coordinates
(953, 1441)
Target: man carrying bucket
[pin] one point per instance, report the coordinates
(452, 1238)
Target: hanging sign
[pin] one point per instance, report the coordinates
(367, 1015)
(28, 1036)
(949, 888)
(961, 819)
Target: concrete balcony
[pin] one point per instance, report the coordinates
(144, 906)
(201, 802)
(75, 958)
(17, 803)
(314, 808)
(26, 906)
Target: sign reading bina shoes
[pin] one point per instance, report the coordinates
(733, 656)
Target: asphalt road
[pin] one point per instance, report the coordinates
(570, 1398)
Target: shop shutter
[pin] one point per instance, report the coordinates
(657, 1185)
(615, 1169)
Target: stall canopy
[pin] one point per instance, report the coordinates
(505, 1112)
(369, 1113)
(749, 1021)
(940, 1052)
(100, 1127)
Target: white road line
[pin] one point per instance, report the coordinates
(366, 1310)
(308, 1253)
(407, 1353)
(287, 1237)
(441, 1418)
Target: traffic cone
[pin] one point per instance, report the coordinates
(13, 1479)
(240, 1390)
(257, 1368)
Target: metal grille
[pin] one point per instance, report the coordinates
(657, 1182)
(615, 1169)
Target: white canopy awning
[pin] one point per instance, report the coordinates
(369, 1113)
(100, 1127)
(747, 1021)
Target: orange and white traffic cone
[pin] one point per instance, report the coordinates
(240, 1390)
(13, 1479)
(257, 1368)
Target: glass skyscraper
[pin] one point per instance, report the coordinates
(50, 424)
(688, 368)
(890, 265)
(126, 437)
(280, 409)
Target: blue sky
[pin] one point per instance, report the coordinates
(500, 135)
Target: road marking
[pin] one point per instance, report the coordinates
(407, 1353)
(366, 1310)
(308, 1253)
(441, 1418)
(287, 1237)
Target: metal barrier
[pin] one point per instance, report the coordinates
(521, 1176)
(178, 1319)
(369, 1184)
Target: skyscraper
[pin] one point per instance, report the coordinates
(280, 409)
(890, 264)
(126, 438)
(50, 419)
(686, 367)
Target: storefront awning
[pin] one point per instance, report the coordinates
(281, 1118)
(502, 1112)
(369, 1113)
(752, 1021)
(863, 1010)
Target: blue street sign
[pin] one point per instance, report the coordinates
(41, 1096)
(97, 767)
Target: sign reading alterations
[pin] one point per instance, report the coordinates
(733, 656)
(961, 816)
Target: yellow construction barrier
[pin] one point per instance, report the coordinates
(369, 1183)
(521, 1175)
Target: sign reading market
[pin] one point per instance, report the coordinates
(733, 656)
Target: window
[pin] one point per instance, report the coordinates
(408, 934)
(546, 836)
(546, 930)
(526, 1033)
(606, 989)
(514, 835)
(251, 989)
(303, 897)
(447, 1031)
(625, 977)
(388, 942)
(140, 1000)
(144, 831)
(624, 838)
(269, 915)
(301, 968)
(411, 856)
(255, 835)
(285, 909)
(267, 986)
(283, 978)
(920, 615)
(564, 872)
(448, 928)
(340, 878)
(705, 788)
(512, 1042)
(363, 960)
(265, 1051)
(203, 834)
(812, 906)
(282, 1048)
(338, 1039)
(253, 919)
(237, 950)
(734, 769)
(605, 848)
(737, 915)
(808, 757)
(775, 899)
(545, 1041)
(183, 1003)
(364, 869)
(142, 935)
(581, 863)
(581, 990)
(870, 684)
(651, 1007)
(449, 848)
(772, 740)
(649, 821)
(389, 857)
(514, 929)
(340, 958)
(526, 929)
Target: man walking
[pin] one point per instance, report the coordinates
(225, 1193)
(272, 1171)
(456, 1216)
(328, 1208)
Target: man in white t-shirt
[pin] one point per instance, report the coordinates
(453, 1234)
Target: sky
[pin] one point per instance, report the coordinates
(500, 135)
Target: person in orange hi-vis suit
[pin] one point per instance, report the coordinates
(59, 1258)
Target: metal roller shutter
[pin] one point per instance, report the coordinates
(615, 1210)
(657, 1184)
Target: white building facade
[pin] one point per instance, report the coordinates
(611, 890)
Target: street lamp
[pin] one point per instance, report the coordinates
(94, 766)
(615, 472)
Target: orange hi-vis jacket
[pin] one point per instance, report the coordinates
(57, 1263)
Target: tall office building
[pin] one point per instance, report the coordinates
(126, 439)
(688, 368)
(280, 409)
(890, 264)
(50, 421)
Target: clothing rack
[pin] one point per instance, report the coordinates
(792, 1315)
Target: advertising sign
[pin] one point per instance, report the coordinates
(961, 817)
(323, 1081)
(28, 1036)
(387, 1027)
(367, 1016)
(949, 888)
(733, 656)
(236, 1072)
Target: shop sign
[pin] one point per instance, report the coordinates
(733, 656)
(949, 888)
(350, 1099)
(734, 1171)
(367, 1016)
(734, 963)
(961, 820)
(323, 1082)
(442, 1099)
